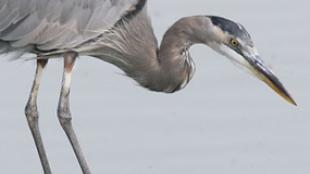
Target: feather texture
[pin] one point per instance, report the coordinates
(56, 24)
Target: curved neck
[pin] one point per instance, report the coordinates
(176, 65)
(133, 48)
(184, 33)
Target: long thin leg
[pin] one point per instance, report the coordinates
(64, 113)
(32, 115)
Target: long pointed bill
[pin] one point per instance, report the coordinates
(266, 75)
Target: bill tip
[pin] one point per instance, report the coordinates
(292, 101)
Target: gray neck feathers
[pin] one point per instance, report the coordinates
(133, 48)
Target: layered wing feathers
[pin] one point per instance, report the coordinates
(58, 24)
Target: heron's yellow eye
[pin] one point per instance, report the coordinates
(234, 42)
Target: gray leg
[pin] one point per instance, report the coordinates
(64, 113)
(33, 116)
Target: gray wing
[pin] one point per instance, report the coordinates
(57, 24)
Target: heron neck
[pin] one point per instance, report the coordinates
(176, 64)
(166, 69)
(181, 35)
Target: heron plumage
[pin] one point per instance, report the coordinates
(118, 32)
(58, 24)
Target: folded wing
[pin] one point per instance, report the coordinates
(57, 24)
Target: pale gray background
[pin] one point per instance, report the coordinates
(225, 121)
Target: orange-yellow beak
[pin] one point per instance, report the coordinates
(266, 75)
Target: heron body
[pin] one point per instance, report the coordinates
(118, 32)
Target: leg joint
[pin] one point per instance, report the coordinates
(31, 112)
(64, 116)
(64, 121)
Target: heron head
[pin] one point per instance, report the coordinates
(233, 41)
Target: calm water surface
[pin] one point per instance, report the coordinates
(225, 121)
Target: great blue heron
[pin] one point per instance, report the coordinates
(119, 32)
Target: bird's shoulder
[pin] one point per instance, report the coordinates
(59, 23)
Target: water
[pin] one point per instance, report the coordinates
(225, 121)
